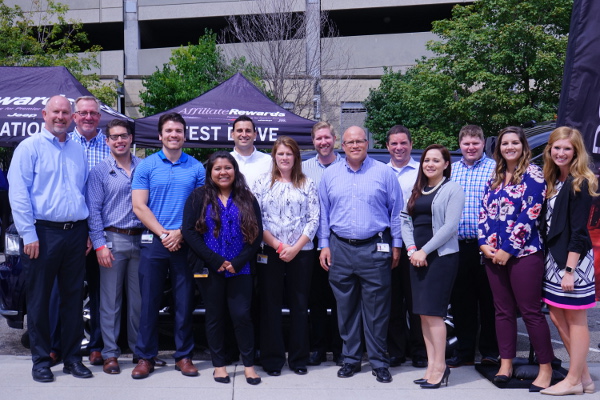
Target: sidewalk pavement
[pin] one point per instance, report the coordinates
(320, 383)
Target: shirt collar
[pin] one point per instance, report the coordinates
(366, 162)
(475, 164)
(337, 158)
(245, 157)
(49, 136)
(99, 136)
(183, 158)
(411, 164)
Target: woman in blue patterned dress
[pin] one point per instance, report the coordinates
(510, 241)
(569, 280)
(290, 213)
(222, 226)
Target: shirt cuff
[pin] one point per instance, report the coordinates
(30, 237)
(396, 242)
(323, 243)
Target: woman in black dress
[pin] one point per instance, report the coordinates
(430, 233)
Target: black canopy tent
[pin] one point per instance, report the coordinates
(24, 92)
(209, 118)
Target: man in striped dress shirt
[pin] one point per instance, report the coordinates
(115, 232)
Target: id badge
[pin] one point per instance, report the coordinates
(109, 245)
(203, 274)
(261, 258)
(383, 247)
(147, 237)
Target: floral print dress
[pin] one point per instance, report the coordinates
(508, 218)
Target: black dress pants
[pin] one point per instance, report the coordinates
(226, 297)
(473, 305)
(277, 278)
(61, 258)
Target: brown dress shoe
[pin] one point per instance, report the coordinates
(111, 366)
(157, 361)
(96, 358)
(186, 367)
(142, 369)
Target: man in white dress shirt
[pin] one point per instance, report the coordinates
(403, 340)
(252, 163)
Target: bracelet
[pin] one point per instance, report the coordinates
(413, 247)
(280, 248)
(101, 247)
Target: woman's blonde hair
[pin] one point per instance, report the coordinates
(500, 171)
(579, 168)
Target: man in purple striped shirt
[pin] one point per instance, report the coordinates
(115, 232)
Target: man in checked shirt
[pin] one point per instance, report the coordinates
(472, 303)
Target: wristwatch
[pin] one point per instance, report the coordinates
(569, 270)
(410, 252)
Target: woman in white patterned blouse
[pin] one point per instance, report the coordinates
(290, 212)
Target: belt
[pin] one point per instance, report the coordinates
(130, 232)
(356, 242)
(468, 240)
(65, 226)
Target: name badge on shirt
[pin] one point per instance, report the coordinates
(203, 274)
(261, 258)
(147, 237)
(383, 247)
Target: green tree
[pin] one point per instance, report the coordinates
(498, 63)
(44, 37)
(191, 71)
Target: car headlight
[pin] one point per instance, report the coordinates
(11, 244)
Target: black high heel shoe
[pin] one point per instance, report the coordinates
(444, 379)
(420, 381)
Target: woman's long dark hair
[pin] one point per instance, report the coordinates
(500, 170)
(422, 179)
(240, 194)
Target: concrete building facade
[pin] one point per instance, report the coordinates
(138, 35)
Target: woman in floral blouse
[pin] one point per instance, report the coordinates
(290, 213)
(511, 245)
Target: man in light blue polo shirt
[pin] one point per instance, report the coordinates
(161, 185)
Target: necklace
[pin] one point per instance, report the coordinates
(434, 188)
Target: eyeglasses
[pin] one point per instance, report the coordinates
(117, 137)
(354, 142)
(84, 114)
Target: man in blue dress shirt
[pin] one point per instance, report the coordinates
(47, 179)
(324, 333)
(360, 237)
(161, 185)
